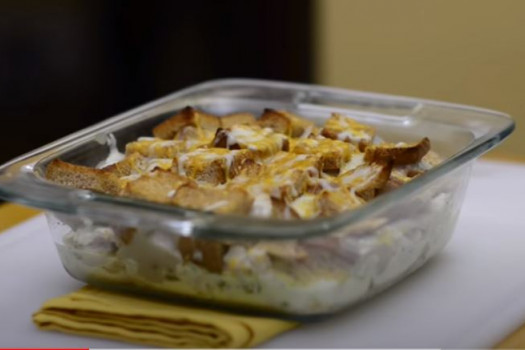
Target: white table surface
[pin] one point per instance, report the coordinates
(471, 296)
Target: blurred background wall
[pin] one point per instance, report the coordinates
(68, 64)
(463, 51)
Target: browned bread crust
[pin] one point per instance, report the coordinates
(78, 176)
(187, 117)
(237, 119)
(159, 186)
(285, 122)
(398, 155)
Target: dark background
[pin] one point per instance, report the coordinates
(67, 64)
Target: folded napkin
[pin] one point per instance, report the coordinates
(99, 313)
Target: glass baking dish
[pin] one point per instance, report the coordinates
(133, 245)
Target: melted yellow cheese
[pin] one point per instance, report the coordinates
(254, 138)
(349, 130)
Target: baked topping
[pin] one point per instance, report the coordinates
(340, 127)
(279, 165)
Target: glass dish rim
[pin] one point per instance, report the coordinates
(207, 225)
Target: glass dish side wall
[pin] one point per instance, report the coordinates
(304, 277)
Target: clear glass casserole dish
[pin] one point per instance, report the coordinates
(132, 244)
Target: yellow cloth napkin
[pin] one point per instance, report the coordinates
(99, 313)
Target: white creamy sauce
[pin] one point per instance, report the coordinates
(114, 155)
(131, 177)
(377, 260)
(356, 160)
(146, 138)
(229, 159)
(327, 185)
(162, 163)
(361, 177)
(307, 131)
(305, 206)
(353, 137)
(301, 157)
(216, 205)
(312, 171)
(262, 203)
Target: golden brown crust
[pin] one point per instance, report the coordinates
(213, 165)
(212, 172)
(276, 121)
(78, 176)
(244, 163)
(221, 139)
(279, 166)
(366, 179)
(331, 203)
(187, 117)
(286, 123)
(333, 153)
(247, 167)
(300, 127)
(231, 201)
(399, 155)
(156, 148)
(262, 142)
(343, 128)
(159, 186)
(133, 163)
(237, 119)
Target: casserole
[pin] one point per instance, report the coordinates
(351, 255)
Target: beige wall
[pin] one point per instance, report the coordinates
(464, 51)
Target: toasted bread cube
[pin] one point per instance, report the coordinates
(222, 201)
(157, 148)
(78, 176)
(246, 166)
(286, 161)
(287, 175)
(324, 183)
(237, 119)
(285, 123)
(366, 179)
(206, 253)
(135, 164)
(127, 166)
(212, 165)
(356, 159)
(398, 154)
(340, 127)
(290, 184)
(276, 121)
(212, 172)
(159, 186)
(397, 179)
(187, 117)
(333, 153)
(281, 210)
(263, 142)
(300, 127)
(206, 165)
(284, 176)
(306, 206)
(334, 202)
